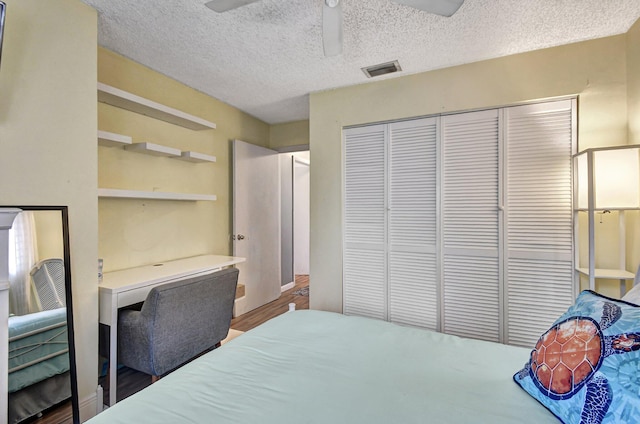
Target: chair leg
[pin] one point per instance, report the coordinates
(154, 378)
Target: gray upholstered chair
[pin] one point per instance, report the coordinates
(177, 322)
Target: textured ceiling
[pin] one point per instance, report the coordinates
(265, 58)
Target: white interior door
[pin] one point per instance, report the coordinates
(301, 215)
(412, 222)
(256, 222)
(365, 232)
(539, 236)
(471, 222)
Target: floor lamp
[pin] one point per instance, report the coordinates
(606, 179)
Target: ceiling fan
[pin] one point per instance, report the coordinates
(332, 16)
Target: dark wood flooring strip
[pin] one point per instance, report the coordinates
(279, 306)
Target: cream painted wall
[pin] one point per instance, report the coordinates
(594, 70)
(633, 82)
(633, 90)
(49, 234)
(134, 232)
(47, 127)
(289, 134)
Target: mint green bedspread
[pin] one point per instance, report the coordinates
(322, 367)
(40, 349)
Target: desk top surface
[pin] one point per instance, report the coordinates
(132, 278)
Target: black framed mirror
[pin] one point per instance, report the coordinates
(42, 362)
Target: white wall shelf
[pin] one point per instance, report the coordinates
(620, 273)
(154, 195)
(125, 100)
(196, 157)
(153, 149)
(612, 274)
(110, 139)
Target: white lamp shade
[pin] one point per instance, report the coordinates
(616, 174)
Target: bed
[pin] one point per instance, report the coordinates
(323, 367)
(38, 363)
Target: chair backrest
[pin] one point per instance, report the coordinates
(48, 280)
(188, 317)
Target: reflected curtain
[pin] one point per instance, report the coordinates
(23, 254)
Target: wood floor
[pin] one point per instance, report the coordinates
(130, 381)
(279, 306)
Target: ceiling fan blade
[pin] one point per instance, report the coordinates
(225, 5)
(437, 7)
(332, 27)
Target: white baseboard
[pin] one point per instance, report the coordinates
(240, 306)
(88, 407)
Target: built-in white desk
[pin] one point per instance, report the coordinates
(130, 286)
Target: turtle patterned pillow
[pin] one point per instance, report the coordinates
(586, 368)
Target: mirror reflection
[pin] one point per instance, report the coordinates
(39, 365)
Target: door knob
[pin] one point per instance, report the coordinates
(240, 237)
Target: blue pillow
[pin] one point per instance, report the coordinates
(586, 368)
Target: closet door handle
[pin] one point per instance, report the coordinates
(240, 237)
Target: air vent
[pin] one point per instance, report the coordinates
(382, 69)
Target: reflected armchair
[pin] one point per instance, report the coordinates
(47, 277)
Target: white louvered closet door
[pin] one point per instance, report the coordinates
(471, 225)
(539, 269)
(364, 255)
(412, 220)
